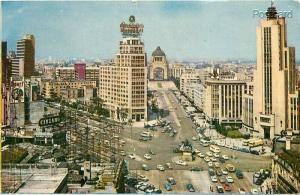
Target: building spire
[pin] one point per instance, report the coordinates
(271, 12)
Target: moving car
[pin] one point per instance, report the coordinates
(145, 167)
(147, 156)
(142, 178)
(209, 154)
(190, 187)
(132, 156)
(201, 155)
(123, 153)
(229, 179)
(216, 155)
(171, 180)
(160, 167)
(169, 165)
(181, 162)
(207, 159)
(225, 157)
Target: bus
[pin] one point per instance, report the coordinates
(214, 148)
(255, 142)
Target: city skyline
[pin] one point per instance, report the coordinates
(68, 31)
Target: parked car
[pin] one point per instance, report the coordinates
(219, 172)
(210, 164)
(196, 169)
(214, 178)
(242, 191)
(239, 174)
(211, 172)
(168, 187)
(190, 187)
(221, 159)
(227, 187)
(220, 189)
(225, 157)
(254, 191)
(209, 154)
(224, 172)
(222, 179)
(217, 165)
(229, 179)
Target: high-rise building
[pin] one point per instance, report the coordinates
(24, 61)
(5, 71)
(123, 85)
(80, 69)
(275, 91)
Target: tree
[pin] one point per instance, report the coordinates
(155, 108)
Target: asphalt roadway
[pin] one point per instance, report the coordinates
(163, 144)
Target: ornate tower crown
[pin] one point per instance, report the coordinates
(131, 29)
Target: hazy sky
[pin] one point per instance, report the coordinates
(184, 30)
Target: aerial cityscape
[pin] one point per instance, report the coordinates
(150, 97)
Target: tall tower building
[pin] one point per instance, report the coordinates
(275, 91)
(24, 61)
(123, 85)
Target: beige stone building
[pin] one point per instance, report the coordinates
(187, 79)
(68, 73)
(178, 70)
(69, 89)
(123, 85)
(223, 100)
(275, 93)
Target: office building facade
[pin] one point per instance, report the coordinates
(123, 85)
(275, 93)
